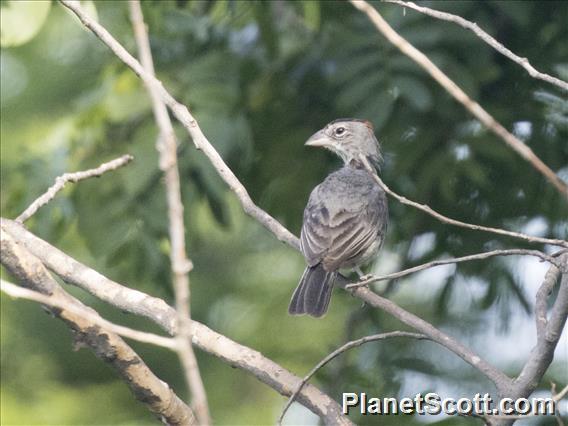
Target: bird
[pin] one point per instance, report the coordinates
(345, 220)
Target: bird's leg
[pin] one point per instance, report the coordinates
(362, 276)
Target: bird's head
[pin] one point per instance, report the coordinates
(350, 139)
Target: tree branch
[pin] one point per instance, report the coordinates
(129, 300)
(107, 346)
(71, 177)
(76, 273)
(180, 264)
(427, 209)
(478, 256)
(453, 89)
(344, 348)
(472, 26)
(499, 379)
(64, 304)
(550, 331)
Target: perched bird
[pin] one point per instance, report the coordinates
(346, 217)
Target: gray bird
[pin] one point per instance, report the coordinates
(346, 217)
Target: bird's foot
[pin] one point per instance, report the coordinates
(365, 277)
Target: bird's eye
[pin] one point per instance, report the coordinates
(339, 131)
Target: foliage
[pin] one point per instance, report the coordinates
(260, 78)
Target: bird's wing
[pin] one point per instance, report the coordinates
(341, 238)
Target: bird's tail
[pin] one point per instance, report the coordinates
(313, 294)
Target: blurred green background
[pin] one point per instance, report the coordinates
(260, 78)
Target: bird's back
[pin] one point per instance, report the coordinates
(345, 220)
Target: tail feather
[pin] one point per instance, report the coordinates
(313, 293)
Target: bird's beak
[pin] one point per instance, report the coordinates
(318, 139)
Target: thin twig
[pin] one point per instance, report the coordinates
(445, 219)
(501, 381)
(344, 348)
(71, 177)
(453, 89)
(140, 336)
(180, 264)
(523, 62)
(478, 256)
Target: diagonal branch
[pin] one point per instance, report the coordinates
(129, 300)
(478, 256)
(344, 348)
(71, 177)
(453, 89)
(445, 219)
(487, 38)
(107, 346)
(167, 148)
(53, 302)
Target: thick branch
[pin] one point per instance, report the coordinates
(128, 300)
(60, 182)
(478, 256)
(344, 348)
(472, 26)
(53, 302)
(167, 148)
(549, 331)
(453, 89)
(108, 346)
(75, 273)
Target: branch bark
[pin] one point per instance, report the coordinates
(454, 90)
(180, 264)
(100, 286)
(64, 304)
(444, 219)
(501, 381)
(60, 182)
(549, 331)
(487, 38)
(479, 256)
(110, 348)
(129, 300)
